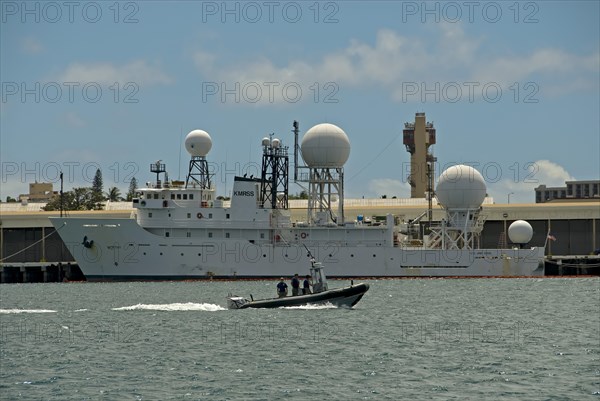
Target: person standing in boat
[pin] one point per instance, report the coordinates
(306, 285)
(282, 289)
(295, 285)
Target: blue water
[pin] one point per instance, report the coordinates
(519, 339)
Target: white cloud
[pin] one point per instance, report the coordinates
(522, 189)
(203, 60)
(30, 45)
(394, 60)
(139, 72)
(507, 70)
(73, 120)
(390, 187)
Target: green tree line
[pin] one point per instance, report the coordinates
(91, 198)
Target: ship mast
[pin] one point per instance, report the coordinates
(274, 191)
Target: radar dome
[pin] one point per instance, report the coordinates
(520, 232)
(198, 143)
(326, 146)
(461, 187)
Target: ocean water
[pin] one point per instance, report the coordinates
(448, 339)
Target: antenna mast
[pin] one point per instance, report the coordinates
(274, 174)
(296, 131)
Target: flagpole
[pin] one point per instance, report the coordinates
(547, 236)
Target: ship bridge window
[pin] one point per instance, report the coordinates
(172, 196)
(226, 235)
(209, 235)
(185, 196)
(148, 196)
(178, 196)
(150, 215)
(210, 215)
(155, 196)
(191, 196)
(227, 216)
(189, 215)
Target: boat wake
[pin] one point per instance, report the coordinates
(311, 307)
(9, 311)
(189, 306)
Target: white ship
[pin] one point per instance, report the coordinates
(182, 230)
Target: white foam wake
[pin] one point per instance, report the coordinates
(189, 306)
(312, 307)
(7, 311)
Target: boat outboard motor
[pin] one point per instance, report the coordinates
(236, 302)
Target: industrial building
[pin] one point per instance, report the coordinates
(572, 191)
(39, 192)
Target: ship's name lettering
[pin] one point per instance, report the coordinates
(243, 193)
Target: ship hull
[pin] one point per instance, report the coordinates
(123, 251)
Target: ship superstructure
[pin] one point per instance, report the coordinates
(182, 230)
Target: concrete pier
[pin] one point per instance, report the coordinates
(573, 265)
(41, 272)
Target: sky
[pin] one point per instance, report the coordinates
(513, 88)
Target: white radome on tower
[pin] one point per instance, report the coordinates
(198, 143)
(461, 187)
(520, 232)
(325, 146)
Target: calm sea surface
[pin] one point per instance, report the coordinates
(521, 339)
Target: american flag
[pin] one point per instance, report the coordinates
(551, 237)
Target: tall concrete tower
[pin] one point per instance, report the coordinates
(418, 137)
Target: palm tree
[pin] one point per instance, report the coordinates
(114, 194)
